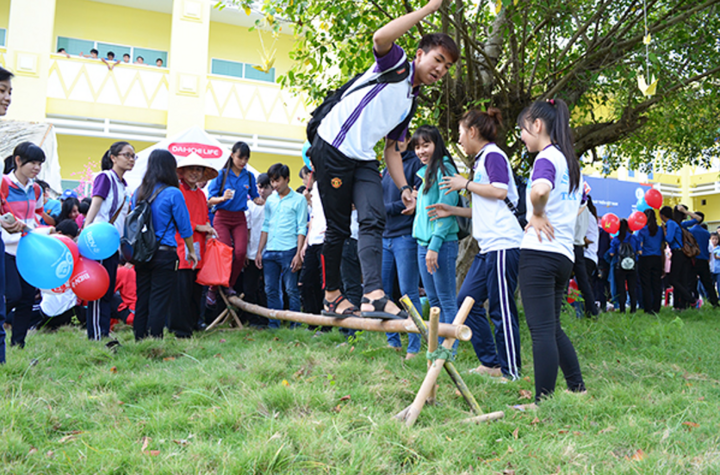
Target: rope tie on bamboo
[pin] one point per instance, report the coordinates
(441, 353)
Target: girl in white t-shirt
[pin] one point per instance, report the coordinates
(546, 251)
(109, 205)
(493, 274)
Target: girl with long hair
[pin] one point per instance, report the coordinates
(437, 239)
(494, 271)
(229, 194)
(23, 198)
(70, 209)
(157, 280)
(546, 251)
(625, 245)
(650, 263)
(680, 263)
(109, 205)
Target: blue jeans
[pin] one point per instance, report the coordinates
(400, 258)
(440, 286)
(276, 266)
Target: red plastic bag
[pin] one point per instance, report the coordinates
(218, 264)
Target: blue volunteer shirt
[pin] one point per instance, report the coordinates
(629, 238)
(243, 184)
(702, 236)
(169, 214)
(285, 219)
(673, 235)
(651, 245)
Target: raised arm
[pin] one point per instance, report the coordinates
(384, 38)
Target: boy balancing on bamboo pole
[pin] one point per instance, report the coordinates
(377, 105)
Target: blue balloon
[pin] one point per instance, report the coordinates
(99, 241)
(44, 262)
(306, 159)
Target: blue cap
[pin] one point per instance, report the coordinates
(68, 194)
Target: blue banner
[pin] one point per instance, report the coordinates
(615, 196)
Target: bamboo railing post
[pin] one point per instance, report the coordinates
(449, 365)
(432, 346)
(411, 413)
(445, 330)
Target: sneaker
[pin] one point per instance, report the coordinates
(113, 345)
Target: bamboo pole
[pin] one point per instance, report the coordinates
(445, 330)
(493, 416)
(410, 414)
(432, 346)
(449, 365)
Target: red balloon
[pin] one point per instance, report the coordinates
(610, 223)
(70, 244)
(89, 280)
(637, 221)
(653, 198)
(573, 291)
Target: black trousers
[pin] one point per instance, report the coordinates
(186, 304)
(702, 270)
(19, 295)
(311, 291)
(342, 182)
(254, 290)
(650, 269)
(621, 278)
(98, 314)
(543, 280)
(156, 286)
(602, 284)
(583, 282)
(679, 278)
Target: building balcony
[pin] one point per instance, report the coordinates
(140, 94)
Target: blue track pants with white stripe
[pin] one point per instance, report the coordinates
(493, 276)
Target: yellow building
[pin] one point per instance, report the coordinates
(205, 78)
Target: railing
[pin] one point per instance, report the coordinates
(244, 99)
(90, 80)
(147, 87)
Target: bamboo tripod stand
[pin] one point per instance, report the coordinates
(225, 314)
(451, 332)
(427, 390)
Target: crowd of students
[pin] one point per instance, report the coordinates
(677, 260)
(110, 60)
(354, 238)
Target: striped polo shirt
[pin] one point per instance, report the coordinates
(365, 115)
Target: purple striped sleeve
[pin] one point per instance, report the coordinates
(544, 170)
(497, 170)
(390, 59)
(101, 186)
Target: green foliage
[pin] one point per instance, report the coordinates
(257, 402)
(586, 52)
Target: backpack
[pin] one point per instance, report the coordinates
(690, 246)
(139, 243)
(394, 75)
(626, 257)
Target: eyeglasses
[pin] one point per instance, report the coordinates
(129, 155)
(196, 169)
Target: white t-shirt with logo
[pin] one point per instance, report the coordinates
(366, 115)
(562, 206)
(495, 227)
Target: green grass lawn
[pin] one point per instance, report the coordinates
(286, 402)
